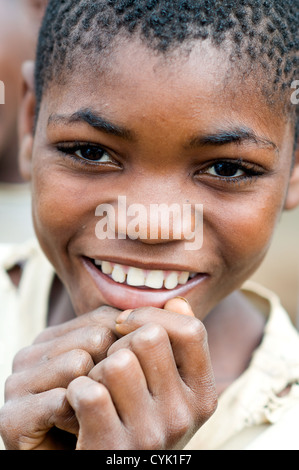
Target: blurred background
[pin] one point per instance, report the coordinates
(19, 24)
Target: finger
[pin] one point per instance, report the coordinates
(179, 305)
(55, 373)
(24, 423)
(123, 376)
(94, 409)
(187, 336)
(93, 339)
(104, 317)
(151, 345)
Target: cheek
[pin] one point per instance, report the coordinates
(246, 231)
(61, 208)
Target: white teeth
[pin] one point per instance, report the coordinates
(135, 277)
(183, 277)
(107, 267)
(171, 281)
(155, 279)
(118, 274)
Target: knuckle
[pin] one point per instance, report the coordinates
(194, 331)
(184, 422)
(88, 394)
(152, 439)
(62, 407)
(208, 408)
(80, 361)
(22, 359)
(140, 314)
(97, 396)
(149, 337)
(101, 338)
(42, 337)
(46, 335)
(181, 420)
(118, 363)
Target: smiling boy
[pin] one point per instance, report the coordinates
(161, 102)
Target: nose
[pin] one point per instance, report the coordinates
(155, 223)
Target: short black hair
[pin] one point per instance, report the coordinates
(260, 31)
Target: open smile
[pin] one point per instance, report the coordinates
(128, 287)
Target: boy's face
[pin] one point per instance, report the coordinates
(180, 131)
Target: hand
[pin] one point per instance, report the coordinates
(36, 404)
(155, 388)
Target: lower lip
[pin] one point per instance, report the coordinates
(126, 297)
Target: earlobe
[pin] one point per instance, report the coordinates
(26, 121)
(292, 199)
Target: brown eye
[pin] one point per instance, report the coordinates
(95, 154)
(225, 170)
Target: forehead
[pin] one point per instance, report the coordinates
(187, 88)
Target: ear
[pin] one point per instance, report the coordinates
(26, 121)
(292, 199)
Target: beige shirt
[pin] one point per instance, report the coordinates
(250, 413)
(23, 310)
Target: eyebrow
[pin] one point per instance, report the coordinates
(237, 135)
(94, 120)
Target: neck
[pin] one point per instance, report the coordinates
(235, 329)
(60, 306)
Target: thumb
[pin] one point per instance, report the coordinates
(179, 305)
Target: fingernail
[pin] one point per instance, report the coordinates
(123, 316)
(182, 298)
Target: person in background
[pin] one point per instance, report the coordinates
(19, 25)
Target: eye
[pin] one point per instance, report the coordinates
(226, 170)
(94, 154)
(87, 153)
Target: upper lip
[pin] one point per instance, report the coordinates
(146, 266)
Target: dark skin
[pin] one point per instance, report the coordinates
(91, 375)
(19, 23)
